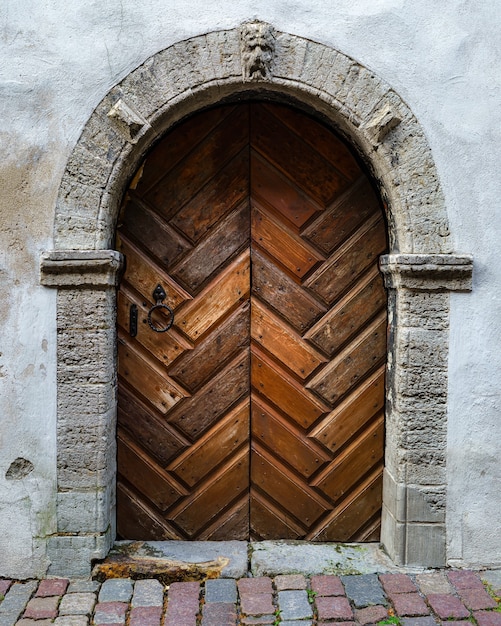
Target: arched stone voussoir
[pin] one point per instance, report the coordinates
(205, 69)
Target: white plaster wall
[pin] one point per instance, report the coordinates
(59, 60)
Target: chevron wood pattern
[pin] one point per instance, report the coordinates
(260, 413)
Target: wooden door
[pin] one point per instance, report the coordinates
(259, 414)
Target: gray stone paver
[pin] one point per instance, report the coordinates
(15, 601)
(116, 590)
(83, 586)
(294, 605)
(149, 592)
(296, 623)
(434, 582)
(221, 590)
(72, 620)
(364, 590)
(77, 604)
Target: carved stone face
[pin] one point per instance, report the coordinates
(258, 43)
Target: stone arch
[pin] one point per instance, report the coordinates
(420, 269)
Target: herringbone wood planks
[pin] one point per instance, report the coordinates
(259, 413)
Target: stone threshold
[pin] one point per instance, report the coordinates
(179, 561)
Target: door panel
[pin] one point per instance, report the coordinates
(259, 414)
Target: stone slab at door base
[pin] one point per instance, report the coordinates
(421, 268)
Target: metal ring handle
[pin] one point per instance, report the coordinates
(159, 329)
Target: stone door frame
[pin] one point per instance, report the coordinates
(421, 269)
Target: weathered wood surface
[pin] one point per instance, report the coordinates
(260, 413)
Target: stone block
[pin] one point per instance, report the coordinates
(294, 605)
(371, 614)
(42, 608)
(52, 587)
(223, 590)
(110, 613)
(425, 544)
(327, 585)
(71, 556)
(85, 309)
(116, 590)
(290, 581)
(409, 604)
(149, 592)
(333, 608)
(433, 582)
(77, 604)
(447, 606)
(145, 616)
(364, 590)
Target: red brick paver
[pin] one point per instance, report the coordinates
(332, 607)
(477, 599)
(4, 586)
(487, 618)
(397, 583)
(327, 586)
(146, 616)
(464, 579)
(42, 608)
(52, 587)
(409, 605)
(447, 606)
(110, 612)
(371, 614)
(219, 614)
(261, 584)
(257, 604)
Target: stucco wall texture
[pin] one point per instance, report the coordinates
(58, 62)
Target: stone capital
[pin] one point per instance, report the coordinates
(427, 272)
(80, 268)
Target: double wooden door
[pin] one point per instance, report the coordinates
(259, 413)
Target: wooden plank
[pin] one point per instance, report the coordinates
(152, 384)
(166, 347)
(290, 495)
(223, 294)
(195, 367)
(145, 476)
(278, 339)
(147, 428)
(209, 502)
(344, 522)
(355, 256)
(281, 438)
(179, 141)
(135, 520)
(196, 415)
(214, 448)
(365, 299)
(189, 176)
(267, 521)
(283, 295)
(343, 217)
(322, 139)
(355, 461)
(143, 275)
(284, 247)
(279, 194)
(223, 193)
(283, 392)
(225, 240)
(152, 233)
(352, 413)
(234, 526)
(366, 353)
(296, 159)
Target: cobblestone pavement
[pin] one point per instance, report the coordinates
(454, 597)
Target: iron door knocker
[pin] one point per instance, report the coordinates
(159, 296)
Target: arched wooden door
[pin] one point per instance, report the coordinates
(259, 414)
